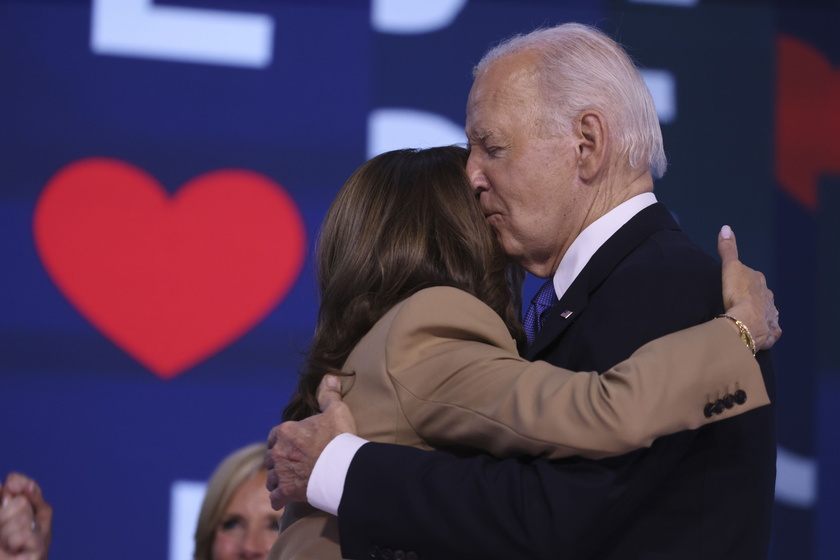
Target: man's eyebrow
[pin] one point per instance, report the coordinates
(480, 134)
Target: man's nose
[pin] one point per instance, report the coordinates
(478, 181)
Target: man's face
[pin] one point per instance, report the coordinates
(525, 178)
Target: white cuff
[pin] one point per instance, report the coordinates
(326, 483)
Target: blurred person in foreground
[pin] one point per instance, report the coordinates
(236, 521)
(419, 322)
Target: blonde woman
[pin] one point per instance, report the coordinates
(236, 520)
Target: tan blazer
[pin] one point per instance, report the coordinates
(440, 370)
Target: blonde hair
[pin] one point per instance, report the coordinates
(582, 68)
(232, 472)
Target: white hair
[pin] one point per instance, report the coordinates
(582, 68)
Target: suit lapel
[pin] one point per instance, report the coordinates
(641, 226)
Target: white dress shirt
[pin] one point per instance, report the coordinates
(326, 483)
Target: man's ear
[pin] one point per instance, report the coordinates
(592, 139)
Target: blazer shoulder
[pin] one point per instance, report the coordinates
(448, 312)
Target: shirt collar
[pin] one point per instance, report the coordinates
(595, 235)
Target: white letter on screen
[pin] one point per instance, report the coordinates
(185, 497)
(138, 28)
(677, 3)
(410, 17)
(392, 129)
(796, 479)
(663, 88)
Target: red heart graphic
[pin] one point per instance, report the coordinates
(169, 279)
(807, 120)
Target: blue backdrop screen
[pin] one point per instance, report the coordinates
(166, 166)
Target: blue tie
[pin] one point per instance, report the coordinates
(542, 303)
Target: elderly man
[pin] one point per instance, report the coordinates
(565, 145)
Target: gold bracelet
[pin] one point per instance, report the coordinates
(746, 337)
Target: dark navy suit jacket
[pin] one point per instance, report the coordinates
(702, 494)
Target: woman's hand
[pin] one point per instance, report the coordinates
(745, 294)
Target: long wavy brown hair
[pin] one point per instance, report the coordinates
(404, 221)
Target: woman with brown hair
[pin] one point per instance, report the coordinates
(419, 318)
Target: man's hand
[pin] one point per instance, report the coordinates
(745, 294)
(294, 447)
(25, 520)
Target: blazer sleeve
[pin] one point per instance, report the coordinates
(460, 384)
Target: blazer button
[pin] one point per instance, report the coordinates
(740, 396)
(709, 410)
(718, 407)
(729, 401)
(374, 553)
(399, 555)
